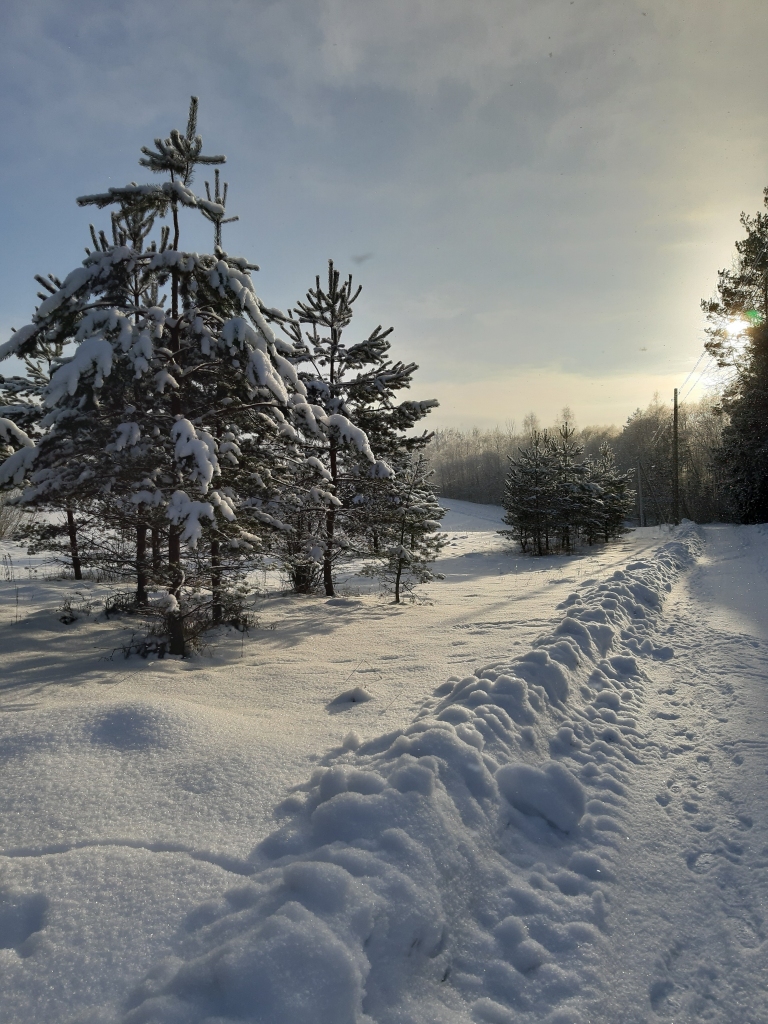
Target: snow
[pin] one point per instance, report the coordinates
(128, 435)
(94, 353)
(17, 465)
(536, 795)
(200, 447)
(183, 509)
(10, 432)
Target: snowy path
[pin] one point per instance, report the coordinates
(133, 794)
(690, 927)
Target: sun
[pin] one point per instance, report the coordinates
(734, 328)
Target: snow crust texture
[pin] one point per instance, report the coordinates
(408, 881)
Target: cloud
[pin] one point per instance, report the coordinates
(572, 207)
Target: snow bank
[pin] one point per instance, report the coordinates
(458, 870)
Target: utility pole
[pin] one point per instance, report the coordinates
(640, 493)
(675, 469)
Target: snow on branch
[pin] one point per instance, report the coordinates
(92, 354)
(157, 195)
(17, 339)
(184, 510)
(314, 463)
(351, 434)
(164, 380)
(200, 447)
(16, 466)
(9, 432)
(262, 372)
(128, 435)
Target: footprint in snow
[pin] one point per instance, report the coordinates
(659, 992)
(21, 916)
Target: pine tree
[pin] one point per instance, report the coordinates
(528, 495)
(570, 495)
(742, 301)
(554, 499)
(355, 387)
(744, 452)
(411, 516)
(612, 497)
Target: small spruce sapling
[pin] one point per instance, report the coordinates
(412, 517)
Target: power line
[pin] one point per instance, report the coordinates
(693, 370)
(707, 366)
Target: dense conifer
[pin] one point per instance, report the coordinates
(554, 499)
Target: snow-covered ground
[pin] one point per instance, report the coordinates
(551, 808)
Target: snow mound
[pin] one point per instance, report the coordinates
(132, 726)
(357, 695)
(554, 793)
(457, 870)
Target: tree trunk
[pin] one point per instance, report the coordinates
(330, 526)
(73, 549)
(157, 561)
(216, 608)
(398, 574)
(175, 621)
(142, 598)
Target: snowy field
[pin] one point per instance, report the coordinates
(552, 807)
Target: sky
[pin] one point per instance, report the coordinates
(535, 194)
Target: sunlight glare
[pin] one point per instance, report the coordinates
(736, 327)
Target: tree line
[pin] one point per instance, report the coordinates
(473, 465)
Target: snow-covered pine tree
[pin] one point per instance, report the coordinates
(355, 387)
(21, 401)
(413, 538)
(179, 419)
(570, 495)
(612, 498)
(528, 495)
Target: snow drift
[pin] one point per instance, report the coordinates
(456, 870)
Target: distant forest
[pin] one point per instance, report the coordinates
(472, 465)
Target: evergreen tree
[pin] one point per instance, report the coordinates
(612, 498)
(355, 388)
(738, 339)
(570, 495)
(744, 452)
(412, 516)
(528, 495)
(554, 499)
